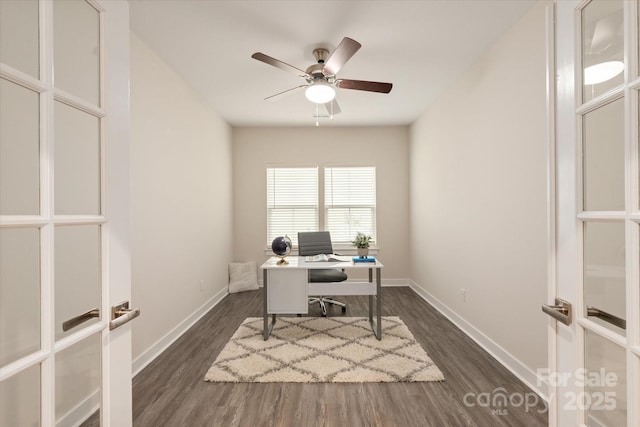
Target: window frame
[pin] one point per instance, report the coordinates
(290, 206)
(321, 207)
(325, 206)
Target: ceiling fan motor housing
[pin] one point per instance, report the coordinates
(316, 70)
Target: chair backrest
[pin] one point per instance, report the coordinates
(314, 243)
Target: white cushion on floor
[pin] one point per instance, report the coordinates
(243, 277)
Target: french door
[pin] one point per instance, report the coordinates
(595, 359)
(64, 212)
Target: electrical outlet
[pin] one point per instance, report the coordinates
(463, 294)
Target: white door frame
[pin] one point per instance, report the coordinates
(117, 353)
(566, 342)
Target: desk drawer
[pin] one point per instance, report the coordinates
(287, 291)
(342, 288)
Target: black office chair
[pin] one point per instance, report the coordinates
(314, 243)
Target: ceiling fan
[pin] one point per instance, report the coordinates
(321, 77)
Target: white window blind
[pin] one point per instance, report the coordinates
(292, 202)
(350, 202)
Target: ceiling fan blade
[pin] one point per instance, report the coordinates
(332, 107)
(283, 94)
(279, 64)
(345, 50)
(364, 85)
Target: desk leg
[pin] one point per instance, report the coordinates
(371, 298)
(265, 316)
(377, 325)
(379, 300)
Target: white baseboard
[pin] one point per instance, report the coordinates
(169, 338)
(507, 360)
(81, 412)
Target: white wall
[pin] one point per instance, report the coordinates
(384, 147)
(478, 198)
(181, 202)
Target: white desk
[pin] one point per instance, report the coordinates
(287, 288)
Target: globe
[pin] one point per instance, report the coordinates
(281, 246)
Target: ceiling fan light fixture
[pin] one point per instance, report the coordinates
(320, 93)
(602, 72)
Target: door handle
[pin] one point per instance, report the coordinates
(121, 314)
(75, 321)
(561, 311)
(607, 317)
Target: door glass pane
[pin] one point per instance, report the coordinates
(78, 381)
(77, 276)
(19, 293)
(76, 33)
(19, 35)
(77, 161)
(604, 272)
(603, 158)
(20, 398)
(602, 47)
(605, 383)
(19, 150)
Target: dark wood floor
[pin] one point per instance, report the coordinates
(171, 391)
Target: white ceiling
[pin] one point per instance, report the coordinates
(419, 46)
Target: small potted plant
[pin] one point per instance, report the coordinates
(362, 242)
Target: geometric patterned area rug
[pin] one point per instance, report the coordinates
(323, 349)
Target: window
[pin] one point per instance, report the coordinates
(348, 203)
(292, 202)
